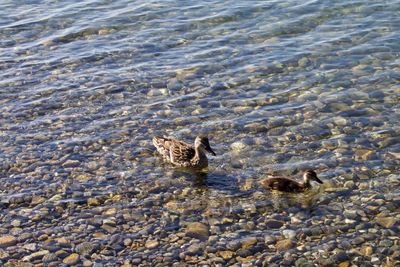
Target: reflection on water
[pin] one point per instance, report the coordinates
(306, 200)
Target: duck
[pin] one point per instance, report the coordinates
(287, 184)
(181, 154)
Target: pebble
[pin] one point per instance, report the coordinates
(3, 254)
(284, 244)
(16, 223)
(85, 248)
(36, 255)
(195, 249)
(233, 245)
(226, 254)
(344, 264)
(290, 234)
(197, 230)
(364, 154)
(7, 240)
(375, 260)
(248, 242)
(386, 222)
(274, 224)
(51, 257)
(340, 257)
(357, 241)
(71, 259)
(349, 185)
(366, 251)
(93, 201)
(150, 244)
(30, 246)
(71, 163)
(238, 146)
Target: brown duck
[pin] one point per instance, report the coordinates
(182, 154)
(290, 185)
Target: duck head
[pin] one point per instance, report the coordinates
(311, 175)
(202, 142)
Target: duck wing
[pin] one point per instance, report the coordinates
(173, 150)
(282, 184)
(181, 153)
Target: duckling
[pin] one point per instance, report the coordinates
(289, 185)
(182, 154)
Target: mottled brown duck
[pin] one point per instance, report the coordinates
(287, 184)
(182, 154)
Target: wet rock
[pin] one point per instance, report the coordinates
(289, 234)
(233, 245)
(350, 214)
(71, 259)
(3, 254)
(195, 249)
(385, 243)
(93, 201)
(7, 240)
(268, 239)
(366, 251)
(349, 185)
(386, 222)
(364, 154)
(344, 264)
(375, 261)
(249, 242)
(303, 62)
(357, 241)
(30, 246)
(341, 256)
(62, 241)
(226, 254)
(51, 257)
(301, 262)
(36, 200)
(284, 244)
(36, 255)
(238, 146)
(85, 248)
(340, 121)
(88, 263)
(150, 244)
(273, 224)
(197, 230)
(16, 223)
(71, 163)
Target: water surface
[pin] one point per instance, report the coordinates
(278, 86)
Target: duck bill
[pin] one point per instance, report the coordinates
(208, 149)
(318, 180)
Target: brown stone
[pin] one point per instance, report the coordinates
(7, 240)
(244, 259)
(386, 222)
(71, 259)
(284, 244)
(249, 242)
(364, 154)
(151, 244)
(366, 251)
(93, 201)
(197, 230)
(226, 254)
(344, 264)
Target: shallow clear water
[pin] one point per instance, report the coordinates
(278, 87)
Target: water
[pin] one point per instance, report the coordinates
(279, 87)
